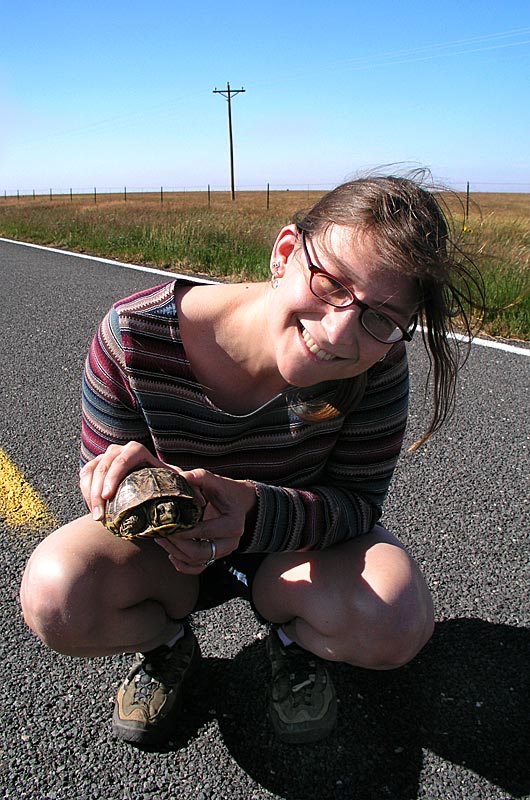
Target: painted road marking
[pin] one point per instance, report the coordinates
(20, 505)
(493, 343)
(110, 261)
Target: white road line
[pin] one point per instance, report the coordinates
(496, 345)
(491, 343)
(110, 261)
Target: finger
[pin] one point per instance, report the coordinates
(186, 569)
(194, 478)
(179, 560)
(85, 481)
(209, 485)
(197, 552)
(91, 478)
(122, 460)
(99, 478)
(199, 558)
(220, 528)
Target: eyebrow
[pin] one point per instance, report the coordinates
(341, 267)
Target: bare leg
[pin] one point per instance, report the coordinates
(363, 602)
(86, 593)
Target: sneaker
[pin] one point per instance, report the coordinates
(149, 700)
(303, 704)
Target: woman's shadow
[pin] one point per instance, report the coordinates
(466, 697)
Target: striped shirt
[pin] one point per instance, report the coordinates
(317, 483)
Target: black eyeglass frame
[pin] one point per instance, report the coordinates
(406, 334)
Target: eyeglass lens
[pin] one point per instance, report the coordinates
(334, 293)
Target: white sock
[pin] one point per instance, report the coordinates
(282, 636)
(178, 635)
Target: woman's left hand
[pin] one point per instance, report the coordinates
(227, 504)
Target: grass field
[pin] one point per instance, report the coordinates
(232, 239)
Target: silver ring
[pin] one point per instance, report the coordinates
(213, 553)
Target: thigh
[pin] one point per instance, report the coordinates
(359, 577)
(83, 562)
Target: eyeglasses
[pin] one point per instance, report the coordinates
(335, 293)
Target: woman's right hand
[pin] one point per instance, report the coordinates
(99, 478)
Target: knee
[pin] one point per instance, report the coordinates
(398, 636)
(388, 636)
(58, 601)
(376, 632)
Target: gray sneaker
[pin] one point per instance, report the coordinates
(303, 704)
(149, 701)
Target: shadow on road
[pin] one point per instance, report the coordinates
(466, 697)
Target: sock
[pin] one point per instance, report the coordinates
(282, 636)
(178, 635)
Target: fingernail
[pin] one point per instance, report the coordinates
(97, 514)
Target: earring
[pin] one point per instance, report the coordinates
(275, 266)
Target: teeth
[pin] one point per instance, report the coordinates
(313, 347)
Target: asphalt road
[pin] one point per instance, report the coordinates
(455, 723)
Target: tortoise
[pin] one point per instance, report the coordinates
(152, 501)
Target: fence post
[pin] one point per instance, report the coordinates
(268, 196)
(161, 194)
(125, 193)
(467, 202)
(209, 198)
(95, 198)
(51, 196)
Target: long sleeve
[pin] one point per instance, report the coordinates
(109, 413)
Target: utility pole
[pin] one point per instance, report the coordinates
(228, 94)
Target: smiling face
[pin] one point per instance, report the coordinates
(314, 341)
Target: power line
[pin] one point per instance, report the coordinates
(228, 94)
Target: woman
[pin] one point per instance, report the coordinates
(284, 404)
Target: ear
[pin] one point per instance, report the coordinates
(281, 252)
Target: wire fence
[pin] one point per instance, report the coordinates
(163, 194)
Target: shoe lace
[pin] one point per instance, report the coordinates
(158, 667)
(300, 668)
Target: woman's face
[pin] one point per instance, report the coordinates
(314, 341)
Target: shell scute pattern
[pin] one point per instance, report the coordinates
(152, 501)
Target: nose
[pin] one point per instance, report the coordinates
(342, 326)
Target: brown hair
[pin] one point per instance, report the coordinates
(413, 234)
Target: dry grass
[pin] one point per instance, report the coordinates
(218, 237)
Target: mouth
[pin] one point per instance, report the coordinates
(313, 347)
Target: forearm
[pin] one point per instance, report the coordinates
(305, 519)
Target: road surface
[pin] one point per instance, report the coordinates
(455, 723)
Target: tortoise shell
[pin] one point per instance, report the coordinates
(152, 501)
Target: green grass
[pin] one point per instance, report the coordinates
(233, 239)
(498, 231)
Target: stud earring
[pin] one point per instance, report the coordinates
(275, 266)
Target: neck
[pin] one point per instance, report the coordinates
(224, 329)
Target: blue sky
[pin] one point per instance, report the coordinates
(120, 93)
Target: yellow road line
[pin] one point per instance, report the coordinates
(20, 505)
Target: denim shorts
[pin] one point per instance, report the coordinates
(228, 578)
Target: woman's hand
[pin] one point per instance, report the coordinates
(99, 478)
(228, 503)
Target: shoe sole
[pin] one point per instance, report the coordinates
(312, 732)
